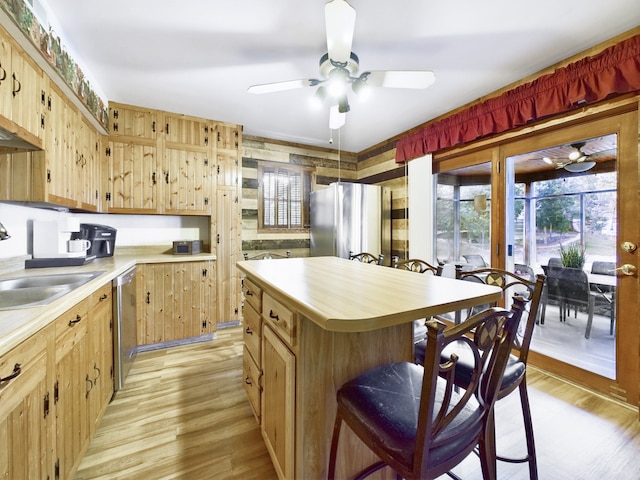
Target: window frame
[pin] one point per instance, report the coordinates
(308, 181)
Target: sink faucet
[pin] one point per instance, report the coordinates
(3, 233)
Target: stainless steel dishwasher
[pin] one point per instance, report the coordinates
(124, 326)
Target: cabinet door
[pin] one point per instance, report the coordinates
(88, 165)
(26, 419)
(100, 354)
(228, 164)
(134, 122)
(228, 250)
(26, 78)
(133, 177)
(186, 177)
(58, 178)
(278, 393)
(185, 130)
(6, 96)
(72, 386)
(177, 301)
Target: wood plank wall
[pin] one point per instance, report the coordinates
(329, 165)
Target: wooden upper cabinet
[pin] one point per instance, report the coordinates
(20, 91)
(185, 130)
(228, 159)
(228, 136)
(187, 178)
(131, 121)
(89, 165)
(133, 177)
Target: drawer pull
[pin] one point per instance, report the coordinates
(273, 315)
(73, 322)
(16, 371)
(249, 331)
(249, 293)
(103, 297)
(247, 380)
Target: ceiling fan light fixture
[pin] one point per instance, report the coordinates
(579, 167)
(318, 98)
(343, 104)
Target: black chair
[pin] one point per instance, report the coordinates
(515, 373)
(366, 258)
(412, 418)
(551, 294)
(604, 295)
(266, 255)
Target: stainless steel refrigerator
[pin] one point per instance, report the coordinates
(351, 217)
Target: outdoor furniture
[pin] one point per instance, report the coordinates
(411, 417)
(475, 260)
(266, 255)
(604, 293)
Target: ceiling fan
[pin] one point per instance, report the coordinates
(339, 68)
(576, 162)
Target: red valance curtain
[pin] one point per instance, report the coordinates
(613, 71)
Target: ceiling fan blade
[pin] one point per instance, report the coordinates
(336, 119)
(400, 78)
(280, 86)
(340, 19)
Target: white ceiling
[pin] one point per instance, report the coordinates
(198, 57)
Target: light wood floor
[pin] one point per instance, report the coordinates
(184, 415)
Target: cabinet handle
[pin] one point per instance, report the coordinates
(249, 331)
(73, 322)
(148, 298)
(153, 178)
(16, 82)
(90, 383)
(248, 293)
(4, 73)
(95, 367)
(247, 380)
(166, 178)
(16, 371)
(273, 315)
(103, 297)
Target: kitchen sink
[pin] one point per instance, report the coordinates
(38, 290)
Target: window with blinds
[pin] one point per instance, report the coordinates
(284, 197)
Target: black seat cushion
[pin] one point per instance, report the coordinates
(513, 373)
(385, 402)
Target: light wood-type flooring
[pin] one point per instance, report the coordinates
(183, 414)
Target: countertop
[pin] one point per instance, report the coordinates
(342, 295)
(16, 325)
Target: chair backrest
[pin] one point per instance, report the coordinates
(365, 257)
(524, 271)
(266, 255)
(417, 265)
(475, 260)
(489, 336)
(555, 262)
(573, 284)
(531, 290)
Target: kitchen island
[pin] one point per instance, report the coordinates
(321, 321)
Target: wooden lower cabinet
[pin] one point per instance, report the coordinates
(26, 416)
(176, 300)
(278, 406)
(72, 387)
(54, 390)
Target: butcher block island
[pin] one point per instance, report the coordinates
(311, 324)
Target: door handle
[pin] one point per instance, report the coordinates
(627, 269)
(629, 247)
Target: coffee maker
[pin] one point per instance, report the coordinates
(51, 238)
(102, 238)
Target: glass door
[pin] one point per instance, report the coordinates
(567, 217)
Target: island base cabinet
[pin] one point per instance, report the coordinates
(278, 408)
(26, 418)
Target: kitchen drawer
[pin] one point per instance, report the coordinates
(71, 327)
(251, 379)
(280, 318)
(253, 295)
(252, 334)
(27, 364)
(101, 297)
